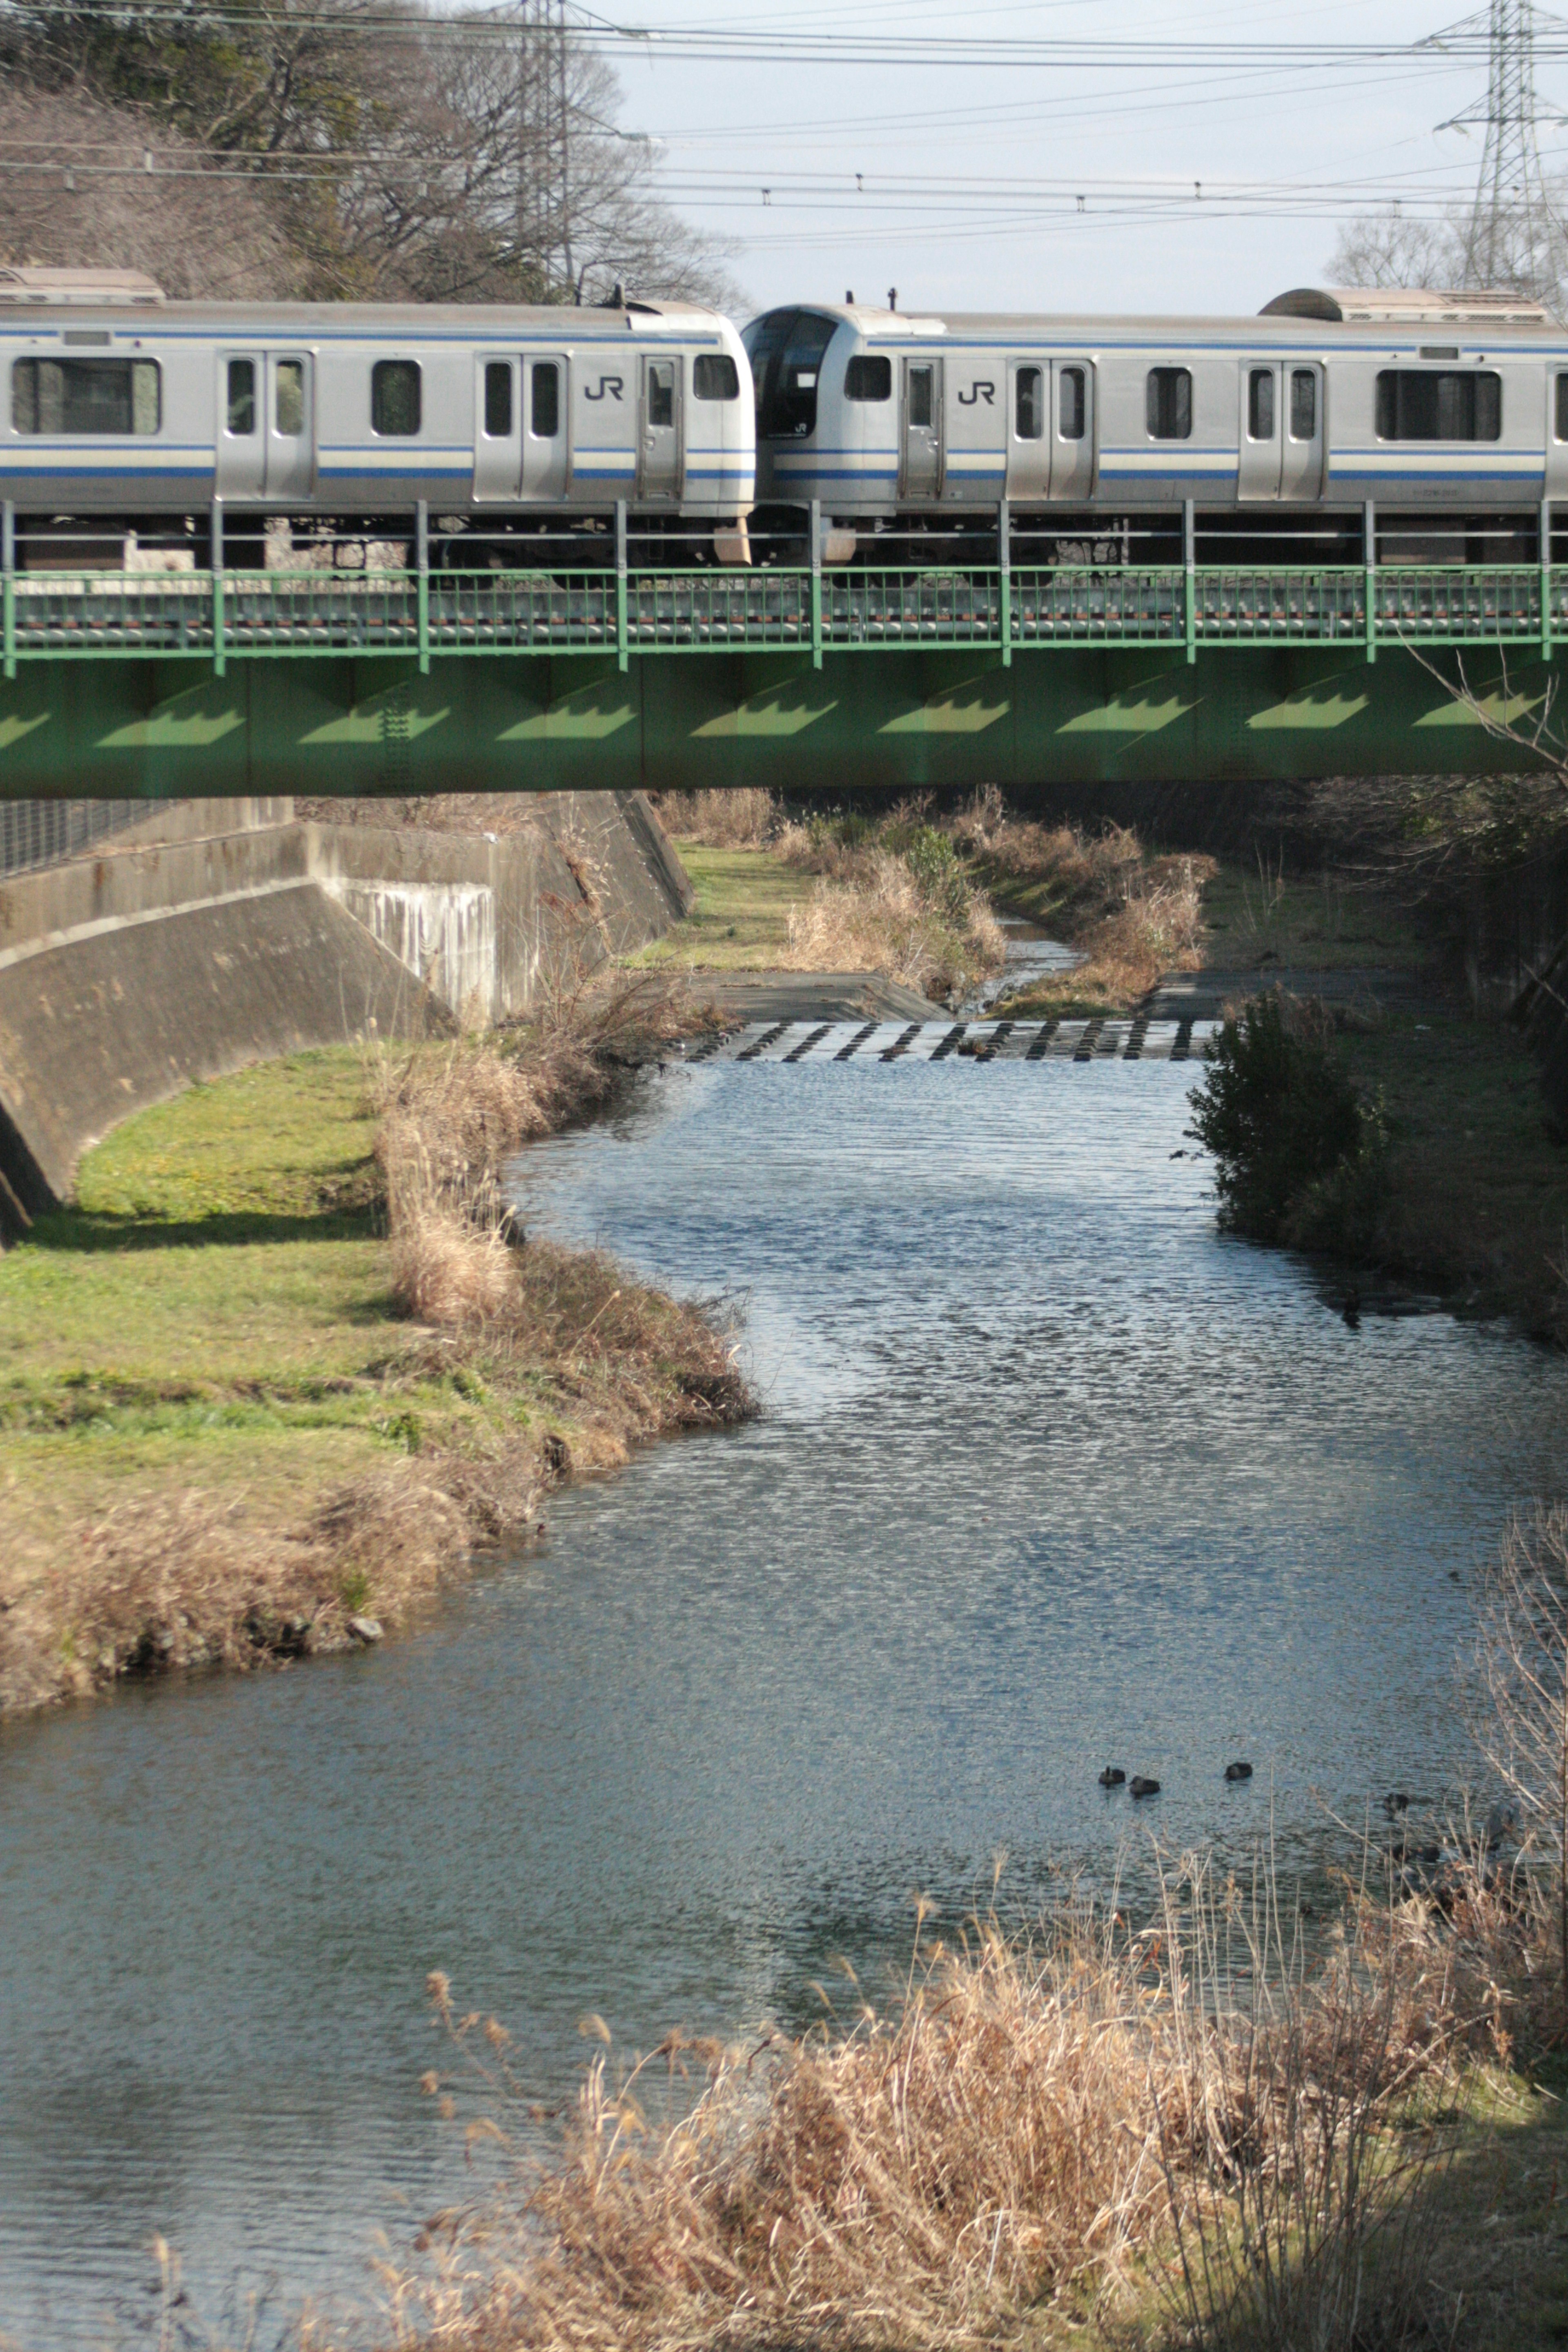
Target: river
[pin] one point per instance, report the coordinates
(1050, 1474)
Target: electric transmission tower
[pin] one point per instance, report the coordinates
(543, 226)
(1513, 237)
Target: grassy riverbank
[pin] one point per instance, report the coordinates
(891, 894)
(236, 1412)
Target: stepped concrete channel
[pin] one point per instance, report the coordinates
(218, 933)
(1131, 1038)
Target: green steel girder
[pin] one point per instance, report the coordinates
(122, 727)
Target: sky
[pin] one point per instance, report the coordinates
(1282, 150)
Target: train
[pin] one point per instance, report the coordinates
(1445, 415)
(1337, 426)
(514, 431)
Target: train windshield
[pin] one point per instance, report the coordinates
(785, 350)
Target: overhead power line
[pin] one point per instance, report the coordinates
(1006, 52)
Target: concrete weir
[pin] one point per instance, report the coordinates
(218, 933)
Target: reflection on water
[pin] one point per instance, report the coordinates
(1051, 1475)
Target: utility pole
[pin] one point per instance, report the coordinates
(543, 217)
(1513, 238)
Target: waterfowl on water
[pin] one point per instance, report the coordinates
(1142, 1787)
(1397, 1804)
(1111, 1778)
(1238, 1771)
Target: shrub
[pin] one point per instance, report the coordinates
(1297, 1152)
(938, 876)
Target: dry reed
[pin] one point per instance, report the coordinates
(892, 896)
(743, 818)
(1030, 2121)
(1134, 916)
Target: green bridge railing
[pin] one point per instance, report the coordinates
(231, 615)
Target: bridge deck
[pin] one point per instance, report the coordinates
(235, 614)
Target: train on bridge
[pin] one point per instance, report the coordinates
(137, 433)
(1447, 415)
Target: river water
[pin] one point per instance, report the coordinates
(1050, 1474)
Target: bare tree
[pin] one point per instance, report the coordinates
(393, 163)
(1523, 1656)
(1392, 248)
(82, 183)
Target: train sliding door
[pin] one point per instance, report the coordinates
(658, 468)
(241, 441)
(1072, 429)
(291, 426)
(920, 468)
(1301, 443)
(497, 442)
(544, 455)
(1050, 429)
(266, 419)
(1281, 430)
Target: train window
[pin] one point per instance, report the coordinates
(241, 397)
(662, 392)
(289, 398)
(922, 383)
(868, 377)
(1260, 404)
(498, 400)
(86, 396)
(787, 402)
(1169, 404)
(715, 376)
(1439, 405)
(394, 398)
(1562, 408)
(1303, 404)
(1072, 403)
(545, 414)
(1029, 403)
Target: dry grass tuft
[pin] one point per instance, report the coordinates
(743, 818)
(195, 1578)
(1031, 2121)
(891, 897)
(881, 922)
(1134, 916)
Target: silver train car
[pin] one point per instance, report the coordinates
(503, 423)
(1446, 416)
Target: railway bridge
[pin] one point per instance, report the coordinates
(425, 680)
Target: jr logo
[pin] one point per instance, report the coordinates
(612, 384)
(982, 391)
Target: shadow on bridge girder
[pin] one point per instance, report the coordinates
(897, 719)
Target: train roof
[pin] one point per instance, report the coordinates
(110, 300)
(1498, 312)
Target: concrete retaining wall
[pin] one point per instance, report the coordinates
(109, 1021)
(129, 972)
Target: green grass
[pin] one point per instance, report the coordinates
(741, 922)
(1316, 924)
(214, 1309)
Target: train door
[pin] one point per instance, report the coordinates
(658, 472)
(1257, 471)
(241, 471)
(291, 426)
(1072, 429)
(544, 452)
(921, 474)
(1029, 438)
(1556, 483)
(498, 438)
(1301, 442)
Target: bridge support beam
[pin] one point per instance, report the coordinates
(894, 719)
